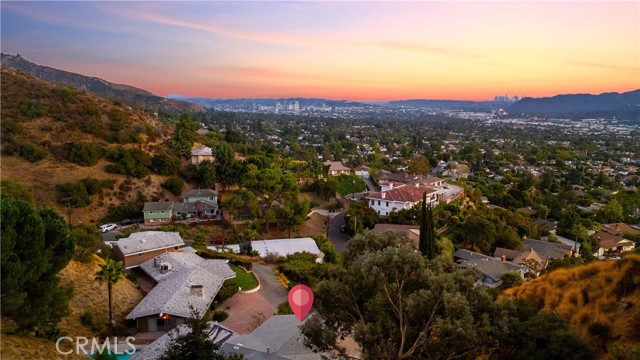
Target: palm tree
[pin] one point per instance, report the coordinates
(110, 272)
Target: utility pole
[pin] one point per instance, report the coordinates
(68, 200)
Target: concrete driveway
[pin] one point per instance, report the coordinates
(270, 288)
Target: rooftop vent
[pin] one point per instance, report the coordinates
(164, 267)
(197, 290)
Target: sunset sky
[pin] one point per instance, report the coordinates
(339, 50)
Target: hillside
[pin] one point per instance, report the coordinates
(41, 124)
(132, 96)
(623, 106)
(88, 296)
(601, 300)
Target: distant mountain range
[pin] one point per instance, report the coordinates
(132, 96)
(625, 106)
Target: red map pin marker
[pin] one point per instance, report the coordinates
(300, 300)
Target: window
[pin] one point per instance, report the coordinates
(378, 202)
(160, 323)
(387, 204)
(162, 212)
(152, 212)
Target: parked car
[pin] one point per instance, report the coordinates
(108, 227)
(218, 240)
(127, 222)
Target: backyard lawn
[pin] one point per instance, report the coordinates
(245, 280)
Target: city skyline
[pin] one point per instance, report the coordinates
(358, 51)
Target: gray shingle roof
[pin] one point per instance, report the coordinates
(199, 192)
(547, 250)
(157, 206)
(490, 267)
(216, 332)
(277, 338)
(172, 295)
(149, 241)
(202, 151)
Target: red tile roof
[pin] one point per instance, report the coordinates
(404, 193)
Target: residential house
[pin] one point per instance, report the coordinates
(337, 168)
(411, 231)
(549, 251)
(282, 247)
(529, 258)
(362, 171)
(491, 270)
(203, 153)
(197, 203)
(142, 246)
(398, 198)
(384, 177)
(610, 243)
(620, 228)
(185, 282)
(279, 337)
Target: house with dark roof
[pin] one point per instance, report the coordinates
(490, 270)
(142, 246)
(398, 198)
(610, 243)
(185, 282)
(215, 331)
(278, 338)
(197, 203)
(549, 251)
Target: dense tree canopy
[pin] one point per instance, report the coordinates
(36, 245)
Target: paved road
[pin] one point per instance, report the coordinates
(337, 237)
(270, 288)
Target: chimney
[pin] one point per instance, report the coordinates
(504, 258)
(155, 261)
(197, 290)
(390, 185)
(382, 194)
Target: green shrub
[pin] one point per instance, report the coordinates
(174, 185)
(122, 211)
(164, 164)
(66, 94)
(74, 194)
(86, 318)
(284, 308)
(31, 152)
(228, 289)
(132, 162)
(34, 109)
(86, 154)
(219, 316)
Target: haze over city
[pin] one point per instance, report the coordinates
(336, 50)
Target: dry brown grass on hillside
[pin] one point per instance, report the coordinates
(89, 295)
(14, 347)
(604, 293)
(42, 177)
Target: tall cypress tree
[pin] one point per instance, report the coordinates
(427, 243)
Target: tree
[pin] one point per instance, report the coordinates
(427, 235)
(35, 247)
(185, 135)
(294, 213)
(271, 187)
(399, 305)
(110, 272)
(225, 165)
(174, 185)
(419, 165)
(193, 342)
